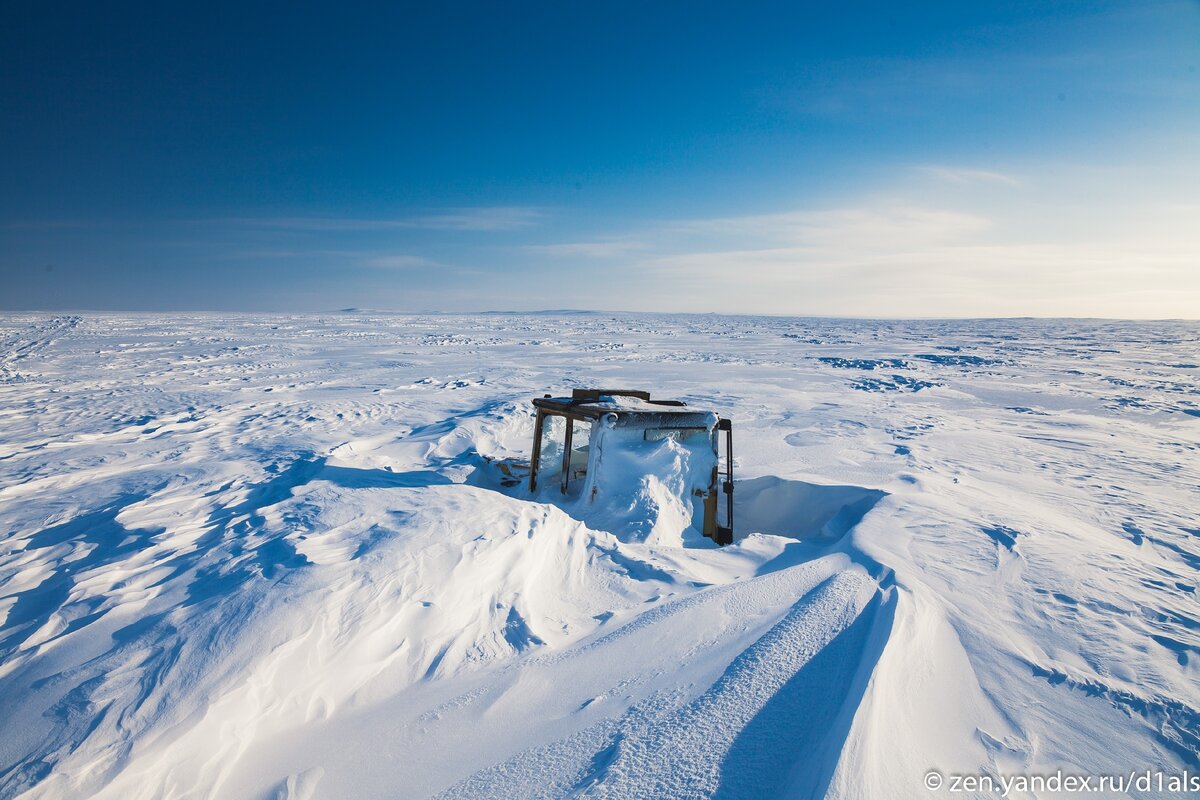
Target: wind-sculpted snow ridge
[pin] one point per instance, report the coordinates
(278, 556)
(769, 724)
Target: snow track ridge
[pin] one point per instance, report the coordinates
(773, 721)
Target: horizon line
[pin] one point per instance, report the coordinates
(566, 311)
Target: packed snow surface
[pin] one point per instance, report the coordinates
(281, 557)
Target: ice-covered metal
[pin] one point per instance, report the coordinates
(612, 418)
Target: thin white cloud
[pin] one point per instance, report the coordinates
(1056, 57)
(496, 218)
(400, 261)
(1115, 241)
(284, 253)
(965, 175)
(883, 227)
(491, 218)
(1131, 278)
(52, 224)
(606, 249)
(354, 258)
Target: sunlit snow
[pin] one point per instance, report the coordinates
(273, 556)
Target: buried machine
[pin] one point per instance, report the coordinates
(576, 437)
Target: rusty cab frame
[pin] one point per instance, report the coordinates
(657, 418)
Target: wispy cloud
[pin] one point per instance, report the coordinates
(260, 253)
(496, 218)
(1055, 61)
(490, 218)
(1113, 241)
(399, 262)
(605, 249)
(52, 224)
(888, 227)
(343, 258)
(966, 175)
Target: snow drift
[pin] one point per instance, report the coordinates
(277, 558)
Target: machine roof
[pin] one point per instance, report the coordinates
(628, 405)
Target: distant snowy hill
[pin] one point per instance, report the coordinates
(273, 556)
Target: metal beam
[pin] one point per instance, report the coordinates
(566, 460)
(535, 457)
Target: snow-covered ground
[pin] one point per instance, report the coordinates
(272, 556)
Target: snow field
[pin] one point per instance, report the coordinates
(274, 557)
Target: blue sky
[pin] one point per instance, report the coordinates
(949, 159)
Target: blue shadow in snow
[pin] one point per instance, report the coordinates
(799, 510)
(238, 526)
(791, 747)
(234, 532)
(105, 541)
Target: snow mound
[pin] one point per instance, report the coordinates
(646, 491)
(280, 557)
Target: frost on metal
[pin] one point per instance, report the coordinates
(596, 441)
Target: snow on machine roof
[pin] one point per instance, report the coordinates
(638, 419)
(630, 409)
